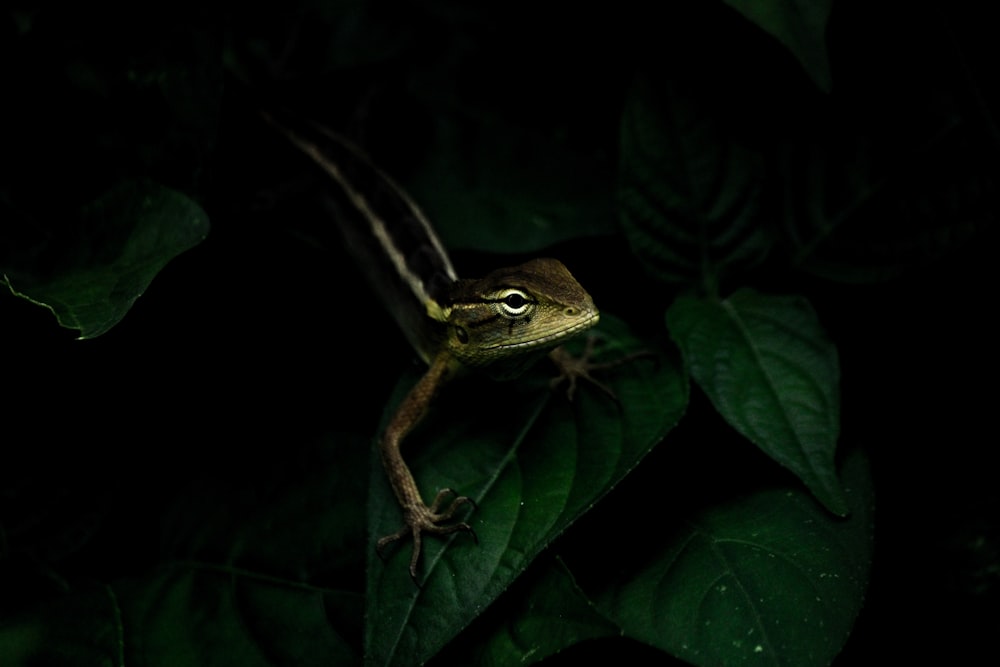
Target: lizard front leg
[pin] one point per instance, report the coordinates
(418, 517)
(575, 368)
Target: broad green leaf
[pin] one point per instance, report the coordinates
(197, 614)
(826, 180)
(767, 366)
(301, 514)
(129, 235)
(528, 191)
(344, 35)
(261, 565)
(689, 191)
(769, 578)
(543, 614)
(800, 26)
(533, 462)
(81, 628)
(856, 214)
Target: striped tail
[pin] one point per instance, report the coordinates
(391, 238)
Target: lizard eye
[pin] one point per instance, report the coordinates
(514, 302)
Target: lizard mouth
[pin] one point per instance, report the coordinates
(554, 338)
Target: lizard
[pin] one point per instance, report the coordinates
(499, 324)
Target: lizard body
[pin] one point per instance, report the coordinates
(500, 323)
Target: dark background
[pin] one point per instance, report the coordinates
(105, 428)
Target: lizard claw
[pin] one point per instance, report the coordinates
(426, 519)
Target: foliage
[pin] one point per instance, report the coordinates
(709, 209)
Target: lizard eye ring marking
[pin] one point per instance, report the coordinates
(513, 302)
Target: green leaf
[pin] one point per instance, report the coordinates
(543, 614)
(689, 191)
(765, 579)
(301, 513)
(196, 614)
(769, 369)
(260, 563)
(128, 235)
(856, 215)
(532, 461)
(82, 628)
(800, 26)
(524, 198)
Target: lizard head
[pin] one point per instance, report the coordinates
(515, 311)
